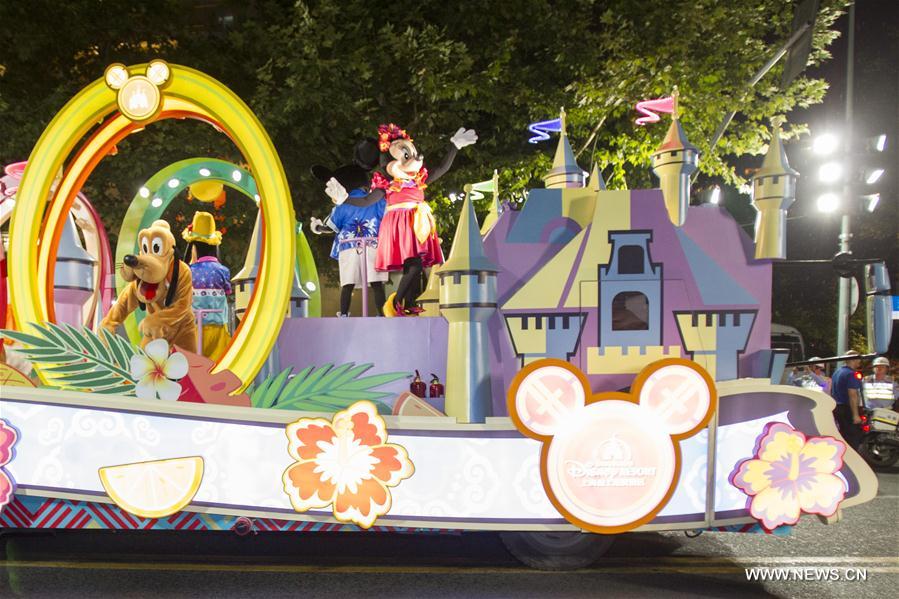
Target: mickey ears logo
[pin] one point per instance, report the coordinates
(610, 462)
(138, 95)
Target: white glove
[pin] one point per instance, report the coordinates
(316, 224)
(464, 137)
(336, 191)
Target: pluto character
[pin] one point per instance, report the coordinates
(161, 284)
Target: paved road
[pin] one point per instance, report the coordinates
(104, 564)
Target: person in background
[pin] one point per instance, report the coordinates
(818, 377)
(880, 390)
(846, 391)
(212, 283)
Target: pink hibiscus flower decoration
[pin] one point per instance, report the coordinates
(346, 463)
(791, 474)
(8, 437)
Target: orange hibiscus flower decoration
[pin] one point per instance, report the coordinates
(346, 463)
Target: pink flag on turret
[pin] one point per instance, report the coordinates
(650, 107)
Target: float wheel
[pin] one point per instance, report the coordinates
(556, 550)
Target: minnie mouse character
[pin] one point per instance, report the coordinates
(408, 239)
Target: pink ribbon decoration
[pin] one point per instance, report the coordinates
(648, 106)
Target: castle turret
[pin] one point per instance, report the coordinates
(73, 276)
(467, 301)
(673, 163)
(429, 300)
(565, 171)
(244, 281)
(596, 182)
(773, 191)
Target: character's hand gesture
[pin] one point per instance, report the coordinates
(336, 191)
(316, 224)
(464, 137)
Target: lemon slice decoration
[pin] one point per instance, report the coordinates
(11, 377)
(153, 489)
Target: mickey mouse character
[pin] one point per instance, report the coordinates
(408, 238)
(351, 222)
(160, 283)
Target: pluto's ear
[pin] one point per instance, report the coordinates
(680, 392)
(321, 173)
(545, 396)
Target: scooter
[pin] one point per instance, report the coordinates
(880, 444)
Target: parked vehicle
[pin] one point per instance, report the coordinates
(880, 445)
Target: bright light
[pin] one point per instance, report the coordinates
(828, 202)
(716, 195)
(881, 143)
(237, 176)
(310, 286)
(144, 192)
(453, 197)
(173, 183)
(257, 198)
(156, 203)
(871, 201)
(874, 176)
(824, 144)
(830, 172)
(205, 172)
(745, 189)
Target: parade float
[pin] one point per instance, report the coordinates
(605, 355)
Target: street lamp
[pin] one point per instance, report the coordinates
(828, 202)
(873, 176)
(871, 201)
(830, 172)
(825, 144)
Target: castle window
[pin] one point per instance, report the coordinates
(630, 260)
(775, 179)
(630, 312)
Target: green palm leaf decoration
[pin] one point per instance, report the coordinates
(79, 360)
(323, 389)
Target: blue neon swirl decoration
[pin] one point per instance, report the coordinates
(542, 129)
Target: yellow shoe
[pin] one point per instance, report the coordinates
(389, 308)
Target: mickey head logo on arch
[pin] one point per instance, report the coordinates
(610, 461)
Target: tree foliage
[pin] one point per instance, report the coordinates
(322, 74)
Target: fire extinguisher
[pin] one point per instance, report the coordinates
(418, 387)
(436, 388)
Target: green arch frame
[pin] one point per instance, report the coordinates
(154, 197)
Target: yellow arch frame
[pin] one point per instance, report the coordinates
(187, 92)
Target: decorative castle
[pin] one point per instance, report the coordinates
(773, 191)
(467, 302)
(609, 280)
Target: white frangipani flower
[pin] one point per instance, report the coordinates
(156, 371)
